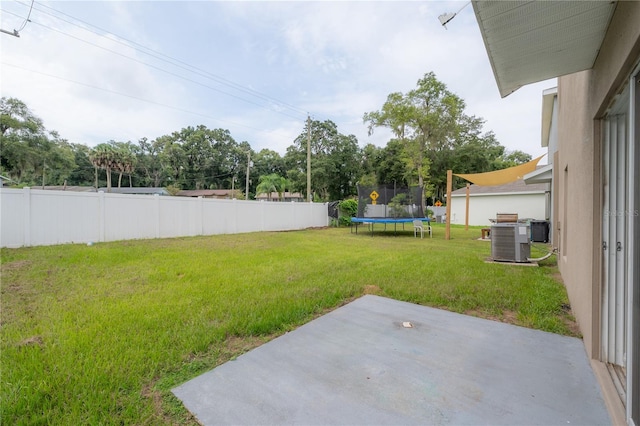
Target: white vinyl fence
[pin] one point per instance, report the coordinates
(32, 217)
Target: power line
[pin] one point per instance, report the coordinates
(173, 61)
(128, 96)
(24, 24)
(160, 69)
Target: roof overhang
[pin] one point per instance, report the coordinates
(531, 41)
(543, 174)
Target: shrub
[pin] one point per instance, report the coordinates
(344, 221)
(349, 207)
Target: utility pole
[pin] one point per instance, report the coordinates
(233, 186)
(16, 33)
(308, 158)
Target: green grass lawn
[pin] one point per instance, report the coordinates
(100, 334)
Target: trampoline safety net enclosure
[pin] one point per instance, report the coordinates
(387, 201)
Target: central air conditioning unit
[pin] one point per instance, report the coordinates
(510, 242)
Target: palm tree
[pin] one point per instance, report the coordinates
(124, 161)
(271, 183)
(281, 186)
(103, 156)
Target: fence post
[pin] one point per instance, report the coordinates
(326, 209)
(101, 217)
(27, 216)
(157, 206)
(294, 224)
(234, 217)
(201, 212)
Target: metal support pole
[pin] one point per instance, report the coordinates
(447, 229)
(466, 216)
(309, 159)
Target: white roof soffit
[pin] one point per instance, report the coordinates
(541, 175)
(531, 41)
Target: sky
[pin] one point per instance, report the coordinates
(96, 71)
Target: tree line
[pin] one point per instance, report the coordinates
(431, 133)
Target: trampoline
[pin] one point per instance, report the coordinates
(386, 204)
(371, 221)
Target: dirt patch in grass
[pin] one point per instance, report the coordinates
(155, 396)
(372, 289)
(567, 314)
(569, 320)
(31, 341)
(161, 399)
(235, 346)
(573, 326)
(509, 317)
(15, 265)
(558, 277)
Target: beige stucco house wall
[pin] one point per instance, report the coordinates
(595, 94)
(584, 98)
(575, 179)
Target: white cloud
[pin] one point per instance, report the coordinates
(336, 60)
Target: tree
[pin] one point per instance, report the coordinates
(335, 161)
(20, 133)
(124, 159)
(173, 160)
(370, 159)
(29, 154)
(83, 173)
(104, 156)
(391, 166)
(471, 152)
(267, 162)
(511, 158)
(57, 159)
(200, 158)
(16, 117)
(268, 184)
(426, 118)
(149, 163)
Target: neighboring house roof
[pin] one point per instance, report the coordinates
(137, 191)
(70, 188)
(533, 41)
(207, 192)
(517, 187)
(285, 195)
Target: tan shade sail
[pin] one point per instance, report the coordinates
(500, 177)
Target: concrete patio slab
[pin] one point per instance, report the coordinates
(359, 365)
